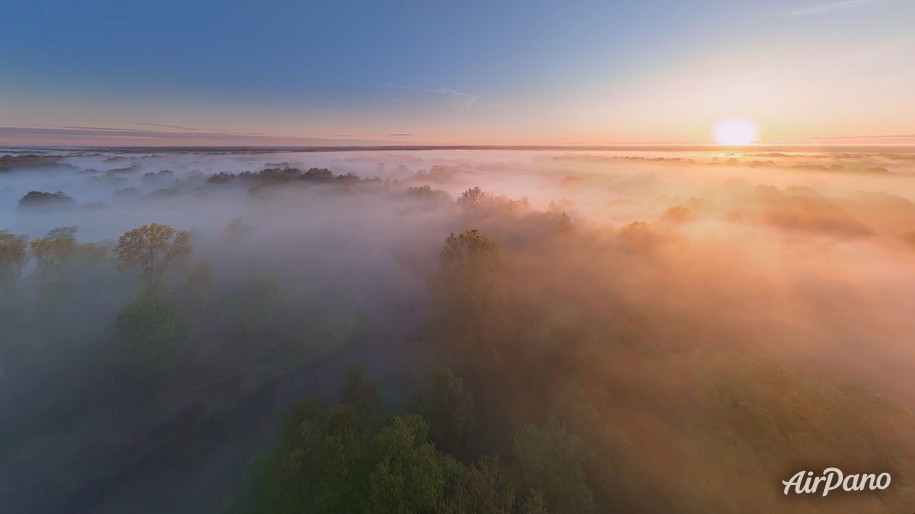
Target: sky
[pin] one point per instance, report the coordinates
(287, 72)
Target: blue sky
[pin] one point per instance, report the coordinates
(462, 72)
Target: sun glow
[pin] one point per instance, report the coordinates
(736, 131)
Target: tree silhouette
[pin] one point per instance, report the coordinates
(13, 254)
(471, 198)
(154, 249)
(469, 293)
(151, 329)
(486, 487)
(549, 460)
(448, 407)
(409, 476)
(54, 249)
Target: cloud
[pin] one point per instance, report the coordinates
(193, 129)
(859, 139)
(102, 136)
(456, 98)
(837, 6)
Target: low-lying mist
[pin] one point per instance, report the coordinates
(698, 325)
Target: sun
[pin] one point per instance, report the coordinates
(734, 131)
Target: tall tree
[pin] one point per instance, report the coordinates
(470, 267)
(151, 329)
(549, 460)
(448, 407)
(154, 249)
(486, 487)
(409, 476)
(53, 250)
(13, 254)
(59, 256)
(471, 198)
(469, 294)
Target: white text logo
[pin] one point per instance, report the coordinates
(803, 482)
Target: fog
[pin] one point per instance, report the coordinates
(706, 321)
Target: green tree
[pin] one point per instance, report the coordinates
(485, 488)
(409, 476)
(342, 461)
(471, 198)
(550, 460)
(470, 269)
(154, 249)
(13, 255)
(448, 407)
(313, 408)
(469, 295)
(326, 461)
(291, 483)
(151, 328)
(58, 255)
(54, 250)
(534, 503)
(470, 250)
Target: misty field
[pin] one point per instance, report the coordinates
(505, 331)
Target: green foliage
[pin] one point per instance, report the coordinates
(471, 198)
(39, 198)
(342, 453)
(472, 314)
(409, 476)
(151, 329)
(55, 249)
(314, 408)
(332, 463)
(326, 463)
(757, 406)
(60, 257)
(486, 487)
(471, 251)
(448, 407)
(534, 503)
(154, 249)
(427, 194)
(13, 254)
(469, 280)
(550, 460)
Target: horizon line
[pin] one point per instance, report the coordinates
(433, 147)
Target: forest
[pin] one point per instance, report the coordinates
(525, 332)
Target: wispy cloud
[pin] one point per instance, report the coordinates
(454, 98)
(457, 99)
(193, 129)
(162, 125)
(837, 6)
(105, 136)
